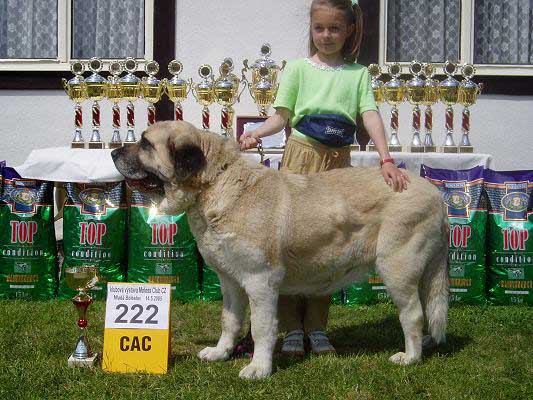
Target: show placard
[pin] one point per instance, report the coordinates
(137, 328)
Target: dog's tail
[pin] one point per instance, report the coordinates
(435, 293)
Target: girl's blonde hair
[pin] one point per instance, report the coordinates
(353, 15)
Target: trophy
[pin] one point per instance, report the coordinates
(82, 279)
(394, 93)
(114, 94)
(96, 91)
(203, 92)
(226, 89)
(468, 92)
(377, 87)
(431, 96)
(415, 95)
(263, 87)
(77, 91)
(152, 89)
(131, 89)
(176, 88)
(449, 95)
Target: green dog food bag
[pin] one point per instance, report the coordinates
(161, 249)
(462, 193)
(510, 241)
(210, 284)
(28, 268)
(371, 290)
(94, 233)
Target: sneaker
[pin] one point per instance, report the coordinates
(293, 343)
(319, 343)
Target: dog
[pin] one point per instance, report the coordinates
(268, 232)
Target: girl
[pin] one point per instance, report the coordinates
(321, 96)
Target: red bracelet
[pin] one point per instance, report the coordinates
(385, 161)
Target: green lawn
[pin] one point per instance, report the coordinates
(489, 355)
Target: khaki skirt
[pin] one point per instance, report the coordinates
(303, 157)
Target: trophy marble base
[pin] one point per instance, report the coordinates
(114, 145)
(395, 148)
(371, 147)
(466, 149)
(96, 145)
(416, 149)
(449, 149)
(77, 145)
(82, 362)
(128, 143)
(355, 147)
(430, 149)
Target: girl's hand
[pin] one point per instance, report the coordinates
(247, 142)
(394, 177)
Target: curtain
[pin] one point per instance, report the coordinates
(426, 30)
(28, 29)
(108, 28)
(503, 32)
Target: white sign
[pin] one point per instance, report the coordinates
(137, 306)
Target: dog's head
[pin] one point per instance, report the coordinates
(167, 153)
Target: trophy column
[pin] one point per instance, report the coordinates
(468, 92)
(152, 89)
(204, 94)
(449, 95)
(394, 94)
(76, 90)
(114, 94)
(431, 96)
(131, 90)
(415, 95)
(96, 91)
(176, 88)
(377, 87)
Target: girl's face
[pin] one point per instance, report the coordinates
(329, 30)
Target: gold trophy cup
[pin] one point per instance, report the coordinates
(96, 91)
(76, 90)
(415, 95)
(82, 279)
(449, 95)
(394, 91)
(204, 93)
(131, 90)
(227, 94)
(152, 89)
(176, 88)
(114, 94)
(431, 96)
(468, 92)
(377, 88)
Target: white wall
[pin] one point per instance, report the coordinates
(208, 31)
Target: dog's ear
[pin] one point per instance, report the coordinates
(189, 159)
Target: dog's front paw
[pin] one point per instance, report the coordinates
(255, 371)
(402, 359)
(213, 354)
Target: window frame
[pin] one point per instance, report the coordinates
(466, 46)
(64, 43)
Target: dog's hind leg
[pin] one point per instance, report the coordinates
(234, 305)
(263, 293)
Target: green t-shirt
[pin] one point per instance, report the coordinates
(308, 88)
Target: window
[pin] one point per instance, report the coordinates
(44, 35)
(495, 35)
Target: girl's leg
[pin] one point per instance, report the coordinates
(315, 321)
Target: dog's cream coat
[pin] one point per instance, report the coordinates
(267, 232)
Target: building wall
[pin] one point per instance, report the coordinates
(208, 31)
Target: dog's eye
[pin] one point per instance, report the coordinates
(145, 144)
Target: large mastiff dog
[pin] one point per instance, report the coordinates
(267, 232)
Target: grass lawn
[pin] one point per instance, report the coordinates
(489, 355)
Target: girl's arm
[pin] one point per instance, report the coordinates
(395, 178)
(272, 125)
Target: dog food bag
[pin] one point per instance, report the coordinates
(510, 236)
(371, 290)
(161, 249)
(94, 233)
(28, 268)
(210, 284)
(462, 192)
